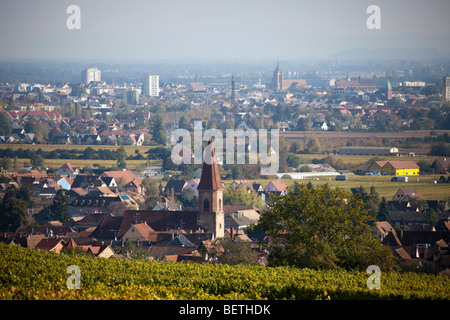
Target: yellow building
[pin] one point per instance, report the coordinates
(397, 168)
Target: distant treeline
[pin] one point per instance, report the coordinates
(86, 154)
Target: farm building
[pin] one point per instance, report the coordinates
(368, 151)
(397, 168)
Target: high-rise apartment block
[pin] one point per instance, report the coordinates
(91, 74)
(151, 85)
(446, 87)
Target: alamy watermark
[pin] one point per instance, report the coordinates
(257, 143)
(374, 281)
(74, 281)
(73, 22)
(374, 20)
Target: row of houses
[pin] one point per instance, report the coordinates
(418, 248)
(275, 187)
(110, 191)
(164, 235)
(129, 138)
(409, 208)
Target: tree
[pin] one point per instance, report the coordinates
(322, 228)
(59, 209)
(132, 252)
(371, 200)
(232, 252)
(431, 218)
(312, 145)
(236, 172)
(240, 196)
(183, 123)
(121, 158)
(151, 187)
(6, 163)
(13, 212)
(159, 134)
(383, 211)
(5, 126)
(37, 162)
(187, 172)
(295, 147)
(188, 198)
(293, 160)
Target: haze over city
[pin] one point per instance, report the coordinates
(223, 30)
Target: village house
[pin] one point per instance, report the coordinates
(175, 185)
(192, 184)
(140, 233)
(123, 178)
(98, 250)
(167, 206)
(441, 166)
(65, 183)
(51, 244)
(420, 248)
(277, 187)
(397, 168)
(407, 194)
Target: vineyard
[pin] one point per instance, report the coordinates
(32, 274)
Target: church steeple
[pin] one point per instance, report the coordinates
(210, 196)
(277, 78)
(210, 178)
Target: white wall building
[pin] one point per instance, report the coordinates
(91, 74)
(151, 85)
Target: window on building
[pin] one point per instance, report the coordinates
(206, 205)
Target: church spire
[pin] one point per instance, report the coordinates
(210, 196)
(210, 178)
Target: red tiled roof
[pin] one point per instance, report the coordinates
(126, 175)
(48, 244)
(280, 185)
(404, 164)
(210, 179)
(146, 231)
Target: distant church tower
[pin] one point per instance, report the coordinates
(277, 79)
(389, 90)
(210, 198)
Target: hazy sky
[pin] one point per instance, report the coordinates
(216, 29)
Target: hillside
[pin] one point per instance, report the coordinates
(33, 274)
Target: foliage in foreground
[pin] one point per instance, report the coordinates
(32, 274)
(322, 228)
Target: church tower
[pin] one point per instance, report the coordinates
(210, 197)
(389, 91)
(277, 79)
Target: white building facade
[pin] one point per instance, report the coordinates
(151, 85)
(91, 74)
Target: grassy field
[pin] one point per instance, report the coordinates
(50, 147)
(383, 185)
(386, 188)
(360, 160)
(332, 140)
